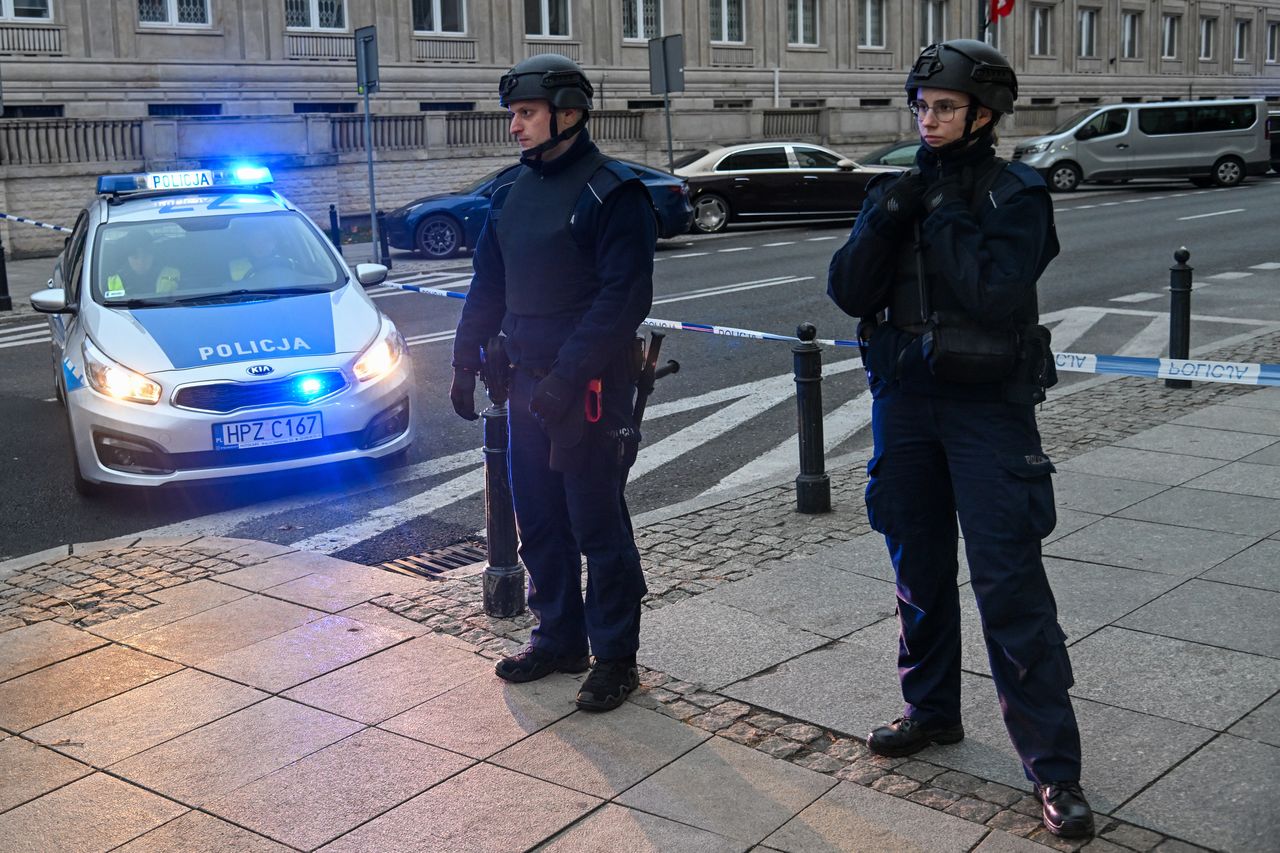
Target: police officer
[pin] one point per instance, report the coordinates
(138, 273)
(942, 266)
(564, 267)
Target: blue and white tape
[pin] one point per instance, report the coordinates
(1236, 373)
(34, 222)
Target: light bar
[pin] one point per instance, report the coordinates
(240, 175)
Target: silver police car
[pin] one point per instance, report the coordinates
(203, 327)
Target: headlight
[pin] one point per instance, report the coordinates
(1036, 149)
(116, 380)
(380, 357)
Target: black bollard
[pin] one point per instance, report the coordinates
(6, 302)
(335, 233)
(382, 240)
(504, 575)
(1179, 312)
(813, 487)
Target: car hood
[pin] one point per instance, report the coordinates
(184, 337)
(433, 197)
(1024, 144)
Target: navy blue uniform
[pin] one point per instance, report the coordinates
(564, 267)
(948, 449)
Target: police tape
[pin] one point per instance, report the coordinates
(1237, 373)
(34, 222)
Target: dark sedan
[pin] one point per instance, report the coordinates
(777, 180)
(442, 225)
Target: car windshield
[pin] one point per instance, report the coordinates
(685, 159)
(210, 259)
(1072, 122)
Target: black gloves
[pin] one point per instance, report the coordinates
(902, 201)
(553, 398)
(463, 393)
(946, 190)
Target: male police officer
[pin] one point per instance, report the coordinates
(138, 274)
(948, 256)
(564, 267)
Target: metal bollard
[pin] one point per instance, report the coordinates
(6, 302)
(504, 575)
(1179, 312)
(382, 240)
(335, 233)
(813, 487)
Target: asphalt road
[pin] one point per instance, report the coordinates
(720, 421)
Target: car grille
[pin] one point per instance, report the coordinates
(223, 397)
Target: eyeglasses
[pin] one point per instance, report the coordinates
(943, 111)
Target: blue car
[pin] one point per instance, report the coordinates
(442, 225)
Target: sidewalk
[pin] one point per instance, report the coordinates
(215, 694)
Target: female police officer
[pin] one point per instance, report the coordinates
(942, 266)
(564, 267)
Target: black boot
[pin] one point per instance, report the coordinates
(1065, 810)
(532, 663)
(608, 684)
(905, 736)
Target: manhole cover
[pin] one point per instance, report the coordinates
(438, 561)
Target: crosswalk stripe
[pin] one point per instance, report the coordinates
(23, 343)
(1150, 342)
(1073, 324)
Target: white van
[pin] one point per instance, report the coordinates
(1210, 142)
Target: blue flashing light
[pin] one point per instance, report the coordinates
(244, 173)
(239, 175)
(310, 386)
(120, 183)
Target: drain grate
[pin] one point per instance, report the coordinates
(438, 561)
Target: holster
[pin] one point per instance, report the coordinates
(1036, 370)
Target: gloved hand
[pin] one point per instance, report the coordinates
(901, 202)
(462, 393)
(553, 398)
(944, 191)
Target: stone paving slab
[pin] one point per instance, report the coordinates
(333, 592)
(617, 828)
(1206, 510)
(27, 771)
(372, 614)
(1261, 724)
(197, 832)
(215, 759)
(1069, 521)
(729, 789)
(602, 754)
(1257, 566)
(132, 722)
(176, 602)
(27, 649)
(1218, 614)
(1191, 442)
(1237, 816)
(485, 715)
(222, 629)
(1147, 466)
(863, 555)
(1097, 494)
(70, 685)
(1267, 456)
(460, 815)
(1004, 842)
(715, 645)
(330, 792)
(1153, 675)
(1261, 421)
(853, 818)
(1165, 548)
(1245, 478)
(95, 813)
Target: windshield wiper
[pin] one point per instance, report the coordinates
(138, 303)
(274, 291)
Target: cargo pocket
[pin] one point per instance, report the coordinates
(1044, 648)
(1032, 501)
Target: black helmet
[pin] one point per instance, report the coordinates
(966, 65)
(549, 77)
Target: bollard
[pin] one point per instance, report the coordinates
(335, 232)
(6, 302)
(813, 487)
(504, 575)
(382, 240)
(1179, 312)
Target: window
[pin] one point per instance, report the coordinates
(933, 22)
(802, 22)
(315, 14)
(1161, 121)
(1243, 31)
(32, 111)
(324, 106)
(1041, 31)
(546, 18)
(728, 20)
(439, 16)
(1208, 32)
(174, 13)
(446, 106)
(1088, 32)
(732, 104)
(1169, 32)
(1104, 124)
(644, 104)
(761, 158)
(815, 158)
(641, 19)
(184, 109)
(25, 10)
(993, 32)
(1273, 42)
(1131, 35)
(871, 23)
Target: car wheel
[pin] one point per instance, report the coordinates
(1064, 177)
(710, 214)
(1228, 172)
(438, 237)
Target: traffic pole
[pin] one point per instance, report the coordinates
(1179, 312)
(504, 575)
(6, 303)
(383, 243)
(813, 487)
(335, 233)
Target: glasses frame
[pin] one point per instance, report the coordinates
(943, 113)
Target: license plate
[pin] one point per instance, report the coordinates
(261, 433)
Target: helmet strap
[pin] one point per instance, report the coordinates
(970, 116)
(534, 155)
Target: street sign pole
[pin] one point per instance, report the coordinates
(367, 81)
(666, 75)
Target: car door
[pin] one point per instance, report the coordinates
(68, 274)
(758, 181)
(822, 186)
(1103, 146)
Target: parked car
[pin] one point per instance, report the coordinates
(442, 225)
(773, 180)
(900, 154)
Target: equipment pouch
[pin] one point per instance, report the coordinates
(1037, 370)
(959, 350)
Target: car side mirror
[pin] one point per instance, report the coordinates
(846, 165)
(1086, 132)
(51, 301)
(371, 274)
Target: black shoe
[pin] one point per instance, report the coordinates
(608, 684)
(905, 736)
(532, 663)
(1066, 812)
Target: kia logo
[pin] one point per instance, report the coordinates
(260, 370)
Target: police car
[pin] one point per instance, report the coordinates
(203, 327)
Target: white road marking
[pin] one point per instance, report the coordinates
(33, 327)
(1270, 265)
(817, 239)
(689, 255)
(730, 288)
(780, 243)
(737, 249)
(432, 338)
(1150, 342)
(25, 342)
(1215, 213)
(1073, 323)
(1230, 276)
(1136, 297)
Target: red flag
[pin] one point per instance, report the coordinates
(1000, 8)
